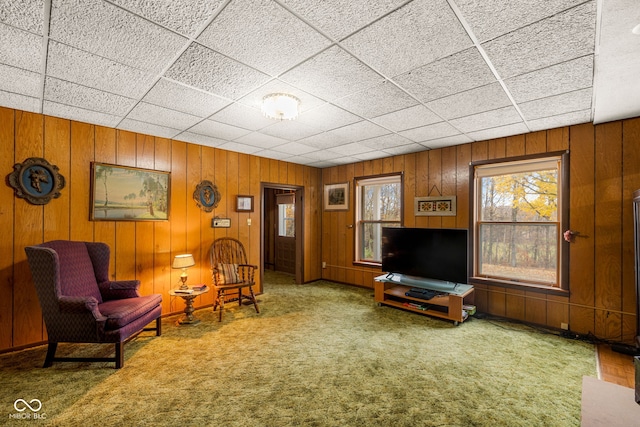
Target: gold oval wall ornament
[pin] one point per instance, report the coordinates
(36, 180)
(206, 196)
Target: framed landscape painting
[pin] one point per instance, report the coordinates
(122, 193)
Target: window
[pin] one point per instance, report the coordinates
(286, 214)
(378, 204)
(518, 221)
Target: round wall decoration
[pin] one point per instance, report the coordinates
(36, 180)
(206, 196)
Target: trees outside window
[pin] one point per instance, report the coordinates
(378, 204)
(518, 221)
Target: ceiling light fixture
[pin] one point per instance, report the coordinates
(636, 29)
(280, 106)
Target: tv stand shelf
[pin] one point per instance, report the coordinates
(449, 307)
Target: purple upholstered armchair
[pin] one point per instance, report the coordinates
(81, 305)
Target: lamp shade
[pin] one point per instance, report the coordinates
(183, 261)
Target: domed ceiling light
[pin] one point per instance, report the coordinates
(280, 106)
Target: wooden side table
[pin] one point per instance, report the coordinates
(189, 318)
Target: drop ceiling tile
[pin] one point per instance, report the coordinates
(416, 34)
(203, 68)
(273, 154)
(301, 160)
(408, 118)
(344, 160)
(358, 131)
(353, 148)
(558, 104)
(77, 66)
(218, 130)
(322, 155)
(148, 128)
(554, 80)
(20, 48)
(404, 149)
(240, 148)
(24, 14)
(62, 92)
(270, 38)
(254, 99)
(386, 141)
(456, 73)
(169, 94)
(376, 154)
(488, 119)
(24, 82)
(291, 130)
(109, 31)
(327, 117)
(532, 47)
(447, 141)
(324, 140)
(573, 118)
(261, 140)
(339, 18)
(499, 132)
(377, 100)
(492, 18)
(20, 102)
(485, 98)
(332, 74)
(242, 116)
(183, 16)
(161, 116)
(434, 131)
(294, 148)
(200, 139)
(79, 114)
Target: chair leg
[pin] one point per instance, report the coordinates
(158, 326)
(253, 298)
(221, 302)
(119, 354)
(51, 352)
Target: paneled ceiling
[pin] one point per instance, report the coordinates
(375, 78)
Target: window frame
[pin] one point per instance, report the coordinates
(360, 182)
(563, 212)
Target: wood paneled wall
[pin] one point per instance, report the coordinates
(141, 250)
(604, 172)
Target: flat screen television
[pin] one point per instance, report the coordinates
(431, 253)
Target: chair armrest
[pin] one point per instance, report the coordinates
(247, 272)
(70, 304)
(119, 289)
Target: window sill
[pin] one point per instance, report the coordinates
(533, 287)
(368, 264)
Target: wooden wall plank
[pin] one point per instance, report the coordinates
(29, 226)
(162, 231)
(7, 150)
(105, 152)
(82, 150)
(125, 249)
(581, 205)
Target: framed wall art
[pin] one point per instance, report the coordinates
(123, 193)
(336, 197)
(36, 180)
(435, 206)
(244, 203)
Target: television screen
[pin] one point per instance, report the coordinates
(432, 253)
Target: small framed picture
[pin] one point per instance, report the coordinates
(336, 197)
(244, 203)
(435, 206)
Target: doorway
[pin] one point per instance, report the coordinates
(282, 219)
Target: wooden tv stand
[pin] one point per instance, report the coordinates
(392, 292)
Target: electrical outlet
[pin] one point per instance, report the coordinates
(324, 264)
(564, 326)
(248, 221)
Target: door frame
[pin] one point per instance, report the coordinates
(299, 219)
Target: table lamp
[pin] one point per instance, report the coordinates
(183, 261)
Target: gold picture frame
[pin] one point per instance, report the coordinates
(123, 193)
